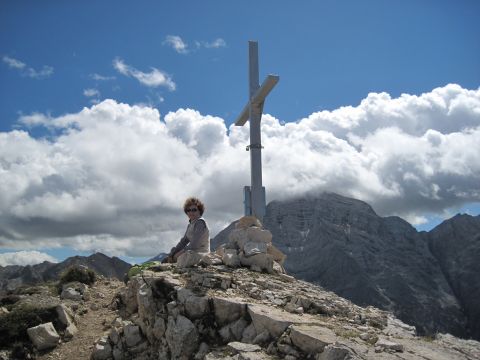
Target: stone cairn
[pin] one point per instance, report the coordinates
(251, 246)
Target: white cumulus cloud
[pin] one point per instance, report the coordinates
(25, 258)
(115, 178)
(154, 78)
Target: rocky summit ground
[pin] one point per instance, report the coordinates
(93, 318)
(216, 312)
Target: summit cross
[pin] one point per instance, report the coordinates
(254, 200)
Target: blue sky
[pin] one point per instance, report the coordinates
(343, 68)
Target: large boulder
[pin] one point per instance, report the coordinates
(228, 310)
(71, 294)
(65, 316)
(43, 336)
(264, 318)
(133, 336)
(195, 306)
(182, 337)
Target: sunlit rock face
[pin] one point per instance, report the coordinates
(456, 245)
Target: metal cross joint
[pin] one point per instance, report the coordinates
(254, 146)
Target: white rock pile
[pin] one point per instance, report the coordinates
(250, 245)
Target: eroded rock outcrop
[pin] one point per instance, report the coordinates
(218, 312)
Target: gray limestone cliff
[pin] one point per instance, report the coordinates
(456, 245)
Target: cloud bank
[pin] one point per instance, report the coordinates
(25, 258)
(115, 178)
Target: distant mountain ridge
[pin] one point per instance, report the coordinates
(426, 279)
(13, 276)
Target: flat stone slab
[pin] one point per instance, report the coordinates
(390, 345)
(228, 310)
(311, 339)
(243, 347)
(274, 320)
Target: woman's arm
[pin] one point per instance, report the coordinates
(180, 246)
(176, 249)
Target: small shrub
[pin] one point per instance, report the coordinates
(9, 300)
(80, 274)
(14, 325)
(45, 288)
(429, 338)
(22, 350)
(347, 334)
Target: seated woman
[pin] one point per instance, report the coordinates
(197, 237)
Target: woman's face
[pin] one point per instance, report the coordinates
(193, 212)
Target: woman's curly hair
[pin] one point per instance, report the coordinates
(194, 201)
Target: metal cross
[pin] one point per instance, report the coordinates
(255, 194)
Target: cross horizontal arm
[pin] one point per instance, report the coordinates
(263, 91)
(258, 98)
(243, 117)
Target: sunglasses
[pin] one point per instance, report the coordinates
(191, 210)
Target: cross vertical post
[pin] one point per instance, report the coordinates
(255, 203)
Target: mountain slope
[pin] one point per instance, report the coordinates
(456, 244)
